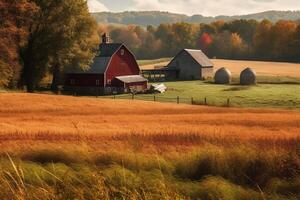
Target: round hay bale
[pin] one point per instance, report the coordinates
(223, 76)
(248, 77)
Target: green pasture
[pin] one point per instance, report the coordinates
(272, 93)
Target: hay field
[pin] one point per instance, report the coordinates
(60, 147)
(236, 66)
(34, 116)
(261, 67)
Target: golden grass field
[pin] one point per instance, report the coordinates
(261, 67)
(61, 119)
(63, 147)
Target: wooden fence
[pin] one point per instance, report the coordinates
(178, 99)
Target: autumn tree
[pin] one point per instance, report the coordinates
(15, 17)
(208, 28)
(246, 30)
(238, 47)
(262, 40)
(238, 39)
(282, 35)
(204, 42)
(165, 34)
(295, 44)
(221, 46)
(184, 34)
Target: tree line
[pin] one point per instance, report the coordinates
(42, 37)
(238, 39)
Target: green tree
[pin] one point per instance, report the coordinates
(262, 40)
(295, 44)
(78, 41)
(246, 30)
(221, 46)
(208, 28)
(58, 32)
(165, 34)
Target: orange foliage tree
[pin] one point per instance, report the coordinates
(205, 41)
(15, 16)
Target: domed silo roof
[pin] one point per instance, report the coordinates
(248, 77)
(223, 76)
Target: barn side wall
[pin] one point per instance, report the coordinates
(140, 85)
(207, 72)
(121, 65)
(137, 86)
(84, 80)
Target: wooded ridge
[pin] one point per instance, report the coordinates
(155, 18)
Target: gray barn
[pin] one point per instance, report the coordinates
(190, 64)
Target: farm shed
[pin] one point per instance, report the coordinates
(248, 77)
(113, 64)
(223, 76)
(188, 64)
(133, 83)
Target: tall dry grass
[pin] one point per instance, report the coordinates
(58, 118)
(57, 147)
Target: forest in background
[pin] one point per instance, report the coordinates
(238, 39)
(39, 37)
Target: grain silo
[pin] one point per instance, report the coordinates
(248, 77)
(223, 76)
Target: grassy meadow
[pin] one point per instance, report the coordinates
(59, 147)
(278, 83)
(271, 92)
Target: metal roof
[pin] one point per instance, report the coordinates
(200, 57)
(109, 49)
(99, 64)
(131, 79)
(101, 61)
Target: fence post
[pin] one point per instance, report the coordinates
(178, 100)
(192, 101)
(154, 98)
(228, 102)
(205, 101)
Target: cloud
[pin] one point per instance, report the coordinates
(216, 7)
(96, 6)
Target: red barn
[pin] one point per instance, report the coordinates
(114, 69)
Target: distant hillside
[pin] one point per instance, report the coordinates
(155, 18)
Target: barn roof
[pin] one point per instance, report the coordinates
(99, 64)
(109, 49)
(199, 57)
(101, 61)
(131, 79)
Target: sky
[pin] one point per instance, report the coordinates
(190, 7)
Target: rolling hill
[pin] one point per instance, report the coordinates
(145, 18)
